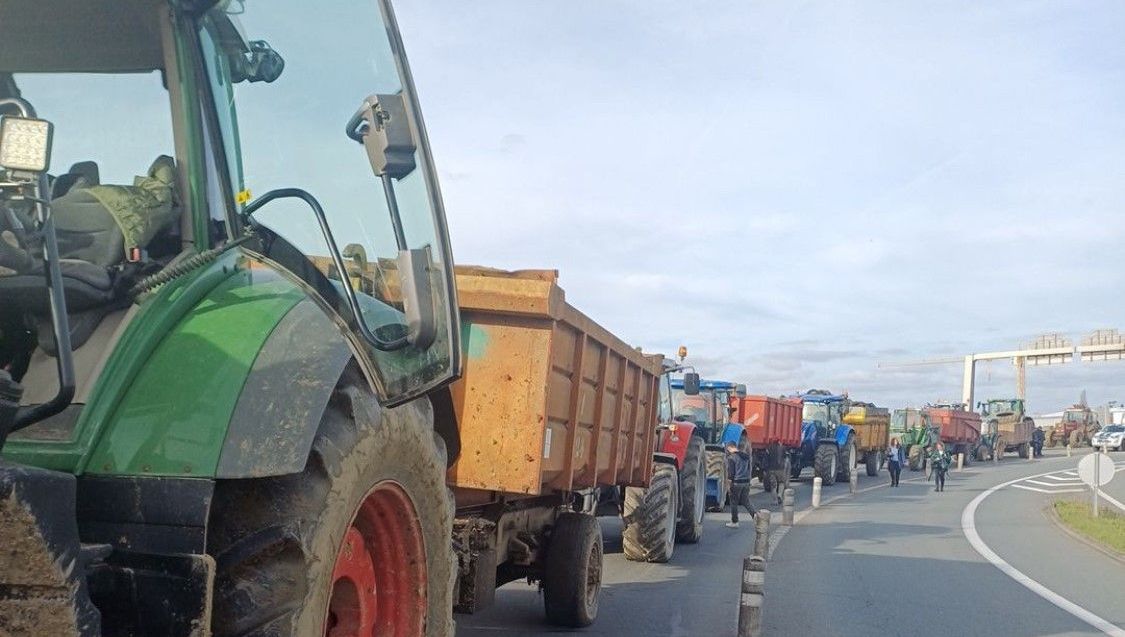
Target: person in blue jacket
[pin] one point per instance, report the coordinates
(738, 472)
(894, 461)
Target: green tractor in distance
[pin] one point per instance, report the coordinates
(203, 432)
(915, 433)
(1005, 428)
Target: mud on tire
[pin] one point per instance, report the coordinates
(693, 485)
(572, 578)
(275, 539)
(650, 517)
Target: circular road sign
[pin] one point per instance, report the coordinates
(1104, 465)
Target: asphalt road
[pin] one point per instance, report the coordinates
(883, 562)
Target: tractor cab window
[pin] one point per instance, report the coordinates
(286, 76)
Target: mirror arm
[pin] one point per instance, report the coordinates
(334, 252)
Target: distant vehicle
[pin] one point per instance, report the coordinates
(916, 433)
(707, 410)
(1006, 427)
(827, 443)
(1112, 436)
(1077, 427)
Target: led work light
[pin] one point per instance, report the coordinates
(25, 144)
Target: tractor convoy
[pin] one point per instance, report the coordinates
(214, 420)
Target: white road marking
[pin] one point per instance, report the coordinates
(1043, 484)
(1020, 486)
(1109, 499)
(1070, 473)
(1062, 479)
(969, 528)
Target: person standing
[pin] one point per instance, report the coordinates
(895, 459)
(738, 472)
(940, 461)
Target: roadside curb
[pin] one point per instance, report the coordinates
(1053, 516)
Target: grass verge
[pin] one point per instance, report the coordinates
(1108, 529)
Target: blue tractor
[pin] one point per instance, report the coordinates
(708, 410)
(827, 443)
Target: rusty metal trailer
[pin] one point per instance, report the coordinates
(959, 428)
(773, 428)
(550, 407)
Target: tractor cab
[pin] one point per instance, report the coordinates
(823, 411)
(707, 409)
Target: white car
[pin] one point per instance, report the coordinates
(1112, 436)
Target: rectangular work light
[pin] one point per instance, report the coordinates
(25, 144)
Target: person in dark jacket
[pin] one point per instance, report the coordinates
(894, 461)
(940, 461)
(738, 472)
(1037, 439)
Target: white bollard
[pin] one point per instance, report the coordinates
(1068, 451)
(787, 507)
(750, 603)
(816, 482)
(961, 461)
(853, 482)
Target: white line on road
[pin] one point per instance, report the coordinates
(1043, 484)
(1020, 486)
(1062, 479)
(969, 528)
(1110, 499)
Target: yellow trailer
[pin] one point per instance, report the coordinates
(872, 427)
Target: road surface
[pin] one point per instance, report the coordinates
(885, 562)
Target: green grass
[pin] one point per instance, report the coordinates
(1107, 529)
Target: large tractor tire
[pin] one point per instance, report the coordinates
(1051, 441)
(795, 469)
(824, 464)
(359, 539)
(1025, 450)
(693, 493)
(717, 468)
(848, 460)
(998, 450)
(871, 460)
(982, 453)
(914, 457)
(1075, 439)
(650, 517)
(572, 577)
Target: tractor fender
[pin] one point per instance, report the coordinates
(809, 439)
(271, 431)
(842, 433)
(674, 441)
(665, 458)
(733, 432)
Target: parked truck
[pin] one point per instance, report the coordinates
(958, 428)
(1005, 428)
(709, 411)
(872, 434)
(202, 432)
(772, 427)
(916, 433)
(1076, 428)
(828, 444)
(552, 409)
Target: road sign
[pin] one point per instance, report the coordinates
(1096, 469)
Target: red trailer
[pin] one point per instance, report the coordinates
(960, 428)
(773, 426)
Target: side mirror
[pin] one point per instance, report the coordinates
(691, 383)
(261, 64)
(381, 124)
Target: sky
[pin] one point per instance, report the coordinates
(796, 191)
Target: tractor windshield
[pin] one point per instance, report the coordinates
(817, 412)
(696, 409)
(1074, 415)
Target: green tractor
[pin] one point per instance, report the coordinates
(207, 427)
(916, 434)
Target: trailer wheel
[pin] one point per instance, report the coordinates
(824, 463)
(981, 453)
(717, 468)
(968, 452)
(358, 541)
(572, 576)
(848, 460)
(794, 469)
(650, 517)
(871, 459)
(693, 493)
(1025, 450)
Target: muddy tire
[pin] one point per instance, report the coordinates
(572, 579)
(693, 493)
(1025, 450)
(794, 469)
(982, 453)
(1075, 439)
(373, 485)
(914, 458)
(650, 517)
(871, 460)
(717, 468)
(847, 462)
(824, 464)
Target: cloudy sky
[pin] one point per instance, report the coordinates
(797, 191)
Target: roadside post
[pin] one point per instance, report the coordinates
(1068, 450)
(853, 482)
(816, 482)
(787, 507)
(762, 533)
(961, 461)
(1096, 470)
(750, 602)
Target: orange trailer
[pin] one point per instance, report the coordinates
(960, 428)
(773, 427)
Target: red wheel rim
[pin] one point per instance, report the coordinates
(379, 580)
